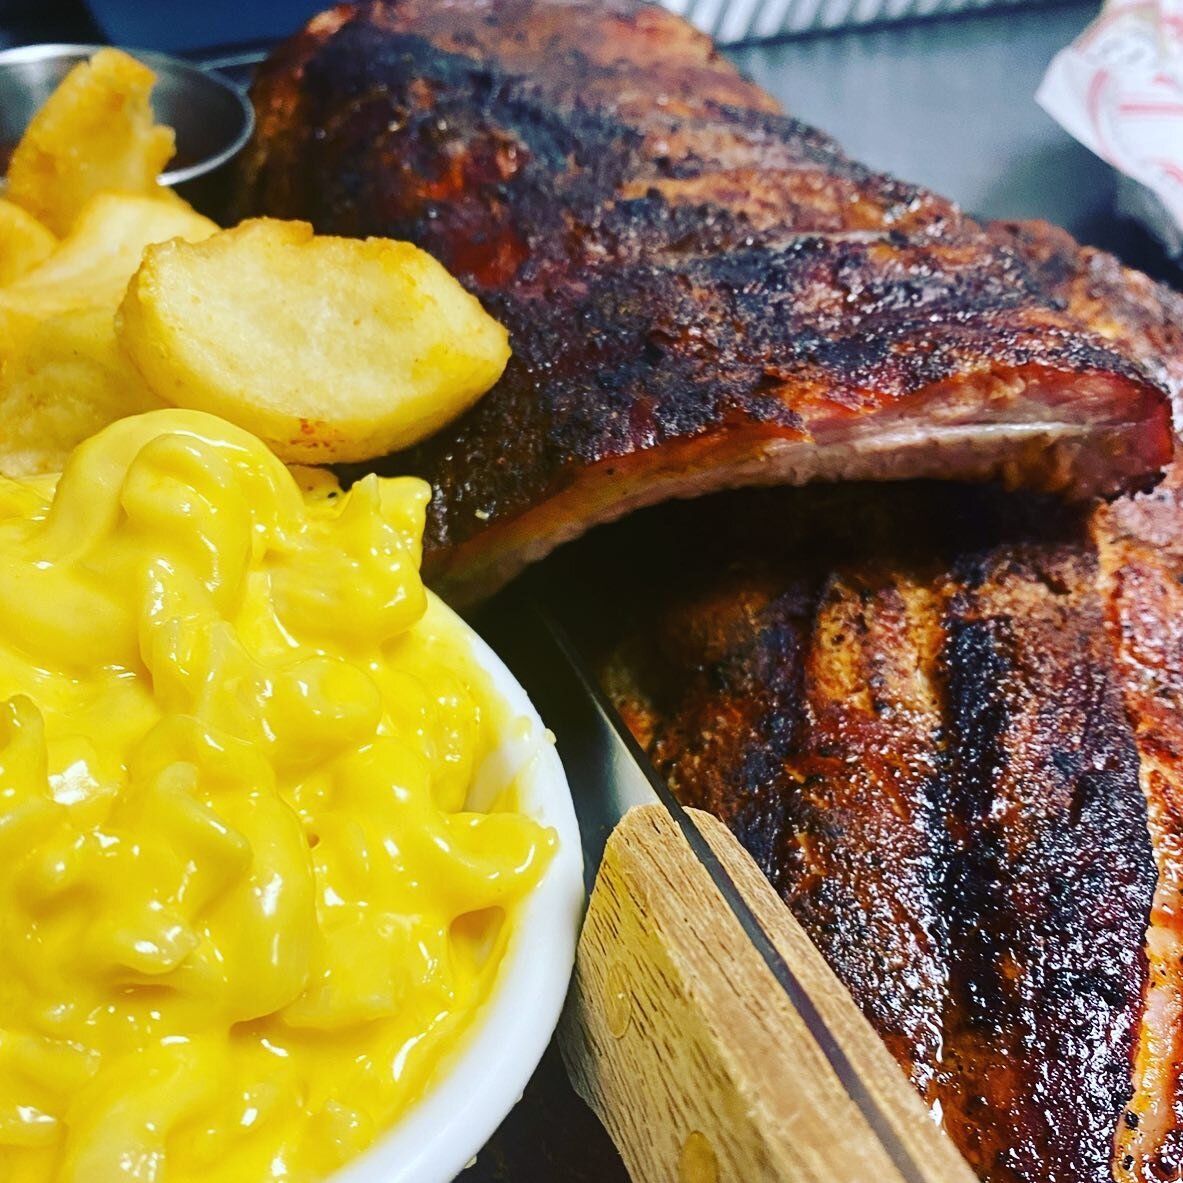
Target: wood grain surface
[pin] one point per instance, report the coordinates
(685, 1044)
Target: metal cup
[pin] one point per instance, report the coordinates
(212, 117)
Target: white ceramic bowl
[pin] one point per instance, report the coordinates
(436, 1138)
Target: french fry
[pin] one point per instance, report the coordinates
(95, 133)
(93, 263)
(62, 378)
(63, 375)
(24, 241)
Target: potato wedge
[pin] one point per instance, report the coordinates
(62, 378)
(24, 242)
(94, 134)
(329, 349)
(93, 263)
(63, 375)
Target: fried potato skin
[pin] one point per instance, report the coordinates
(329, 349)
(62, 378)
(93, 263)
(63, 375)
(24, 241)
(96, 133)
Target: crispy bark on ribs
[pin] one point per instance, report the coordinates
(1116, 302)
(1140, 544)
(701, 292)
(745, 698)
(906, 705)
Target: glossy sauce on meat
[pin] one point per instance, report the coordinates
(910, 712)
(701, 292)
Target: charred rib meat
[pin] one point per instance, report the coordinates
(907, 706)
(701, 292)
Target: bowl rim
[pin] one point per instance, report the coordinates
(445, 1129)
(47, 50)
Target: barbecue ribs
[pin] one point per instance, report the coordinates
(904, 701)
(945, 719)
(700, 291)
(905, 704)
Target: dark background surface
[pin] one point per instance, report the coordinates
(950, 104)
(945, 103)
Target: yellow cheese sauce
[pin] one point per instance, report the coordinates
(245, 917)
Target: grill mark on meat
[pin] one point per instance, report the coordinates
(1051, 874)
(680, 266)
(906, 705)
(757, 722)
(757, 696)
(1141, 566)
(870, 691)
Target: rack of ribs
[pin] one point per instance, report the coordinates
(701, 292)
(906, 706)
(948, 723)
(944, 718)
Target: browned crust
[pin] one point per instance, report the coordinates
(1141, 547)
(1116, 302)
(919, 732)
(685, 272)
(1140, 540)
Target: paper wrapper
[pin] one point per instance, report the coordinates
(1119, 90)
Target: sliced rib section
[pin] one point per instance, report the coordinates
(908, 708)
(701, 292)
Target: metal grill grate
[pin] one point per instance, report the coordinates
(729, 21)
